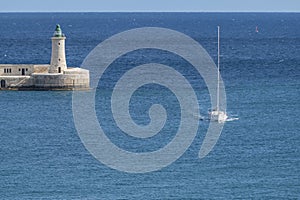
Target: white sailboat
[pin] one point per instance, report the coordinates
(217, 114)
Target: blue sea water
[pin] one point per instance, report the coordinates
(256, 157)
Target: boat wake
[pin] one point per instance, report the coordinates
(230, 119)
(199, 117)
(207, 118)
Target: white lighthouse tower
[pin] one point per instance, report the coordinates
(58, 57)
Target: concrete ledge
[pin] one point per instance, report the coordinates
(76, 71)
(45, 88)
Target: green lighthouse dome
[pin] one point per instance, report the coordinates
(58, 32)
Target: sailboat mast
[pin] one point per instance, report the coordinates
(218, 88)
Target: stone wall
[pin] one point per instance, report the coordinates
(16, 70)
(15, 81)
(75, 78)
(39, 78)
(41, 69)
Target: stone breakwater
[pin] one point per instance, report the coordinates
(37, 77)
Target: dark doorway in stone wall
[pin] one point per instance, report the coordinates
(59, 70)
(3, 84)
(23, 71)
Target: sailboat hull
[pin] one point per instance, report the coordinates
(218, 116)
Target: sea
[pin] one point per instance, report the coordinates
(257, 155)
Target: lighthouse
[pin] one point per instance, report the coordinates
(58, 62)
(53, 76)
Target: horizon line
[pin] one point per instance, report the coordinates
(147, 11)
